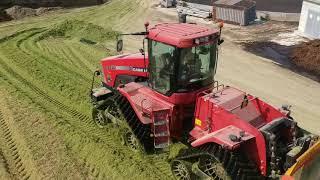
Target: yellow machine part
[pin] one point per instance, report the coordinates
(307, 166)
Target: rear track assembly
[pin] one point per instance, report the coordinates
(218, 163)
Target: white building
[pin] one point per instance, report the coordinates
(309, 24)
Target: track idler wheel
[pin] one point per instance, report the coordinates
(129, 139)
(99, 118)
(213, 168)
(182, 170)
(108, 114)
(132, 142)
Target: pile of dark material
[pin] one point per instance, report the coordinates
(17, 9)
(18, 12)
(4, 16)
(50, 3)
(307, 56)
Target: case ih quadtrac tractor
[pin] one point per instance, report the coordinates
(168, 94)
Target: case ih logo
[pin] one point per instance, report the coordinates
(127, 68)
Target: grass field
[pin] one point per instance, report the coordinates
(46, 66)
(46, 131)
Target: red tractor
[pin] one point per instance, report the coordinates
(169, 95)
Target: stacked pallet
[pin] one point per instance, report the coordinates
(194, 9)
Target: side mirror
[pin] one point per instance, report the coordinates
(119, 45)
(97, 72)
(220, 41)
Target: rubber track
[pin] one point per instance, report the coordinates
(14, 152)
(141, 131)
(237, 166)
(85, 119)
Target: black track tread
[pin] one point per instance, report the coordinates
(141, 131)
(235, 163)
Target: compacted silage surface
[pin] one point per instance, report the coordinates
(46, 67)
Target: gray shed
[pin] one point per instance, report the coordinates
(168, 3)
(309, 24)
(240, 12)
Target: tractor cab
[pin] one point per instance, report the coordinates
(182, 57)
(163, 79)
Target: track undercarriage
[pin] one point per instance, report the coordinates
(208, 161)
(211, 161)
(117, 110)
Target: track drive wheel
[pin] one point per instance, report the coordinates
(105, 114)
(99, 118)
(213, 168)
(222, 164)
(132, 141)
(182, 170)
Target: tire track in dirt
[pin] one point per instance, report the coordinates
(92, 169)
(87, 124)
(41, 137)
(36, 55)
(56, 51)
(161, 166)
(4, 166)
(14, 151)
(61, 124)
(82, 63)
(7, 38)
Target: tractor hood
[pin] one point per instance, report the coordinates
(134, 65)
(133, 56)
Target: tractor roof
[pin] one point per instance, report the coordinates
(181, 35)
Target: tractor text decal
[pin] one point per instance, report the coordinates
(126, 68)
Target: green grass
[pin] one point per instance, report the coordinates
(46, 63)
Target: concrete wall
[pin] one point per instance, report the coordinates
(279, 16)
(306, 6)
(200, 6)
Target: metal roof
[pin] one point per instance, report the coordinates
(227, 2)
(179, 34)
(203, 2)
(237, 4)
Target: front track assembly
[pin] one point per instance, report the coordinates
(117, 110)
